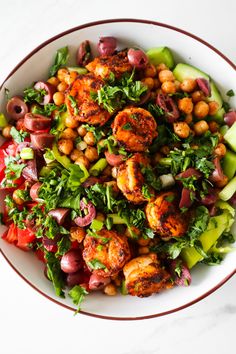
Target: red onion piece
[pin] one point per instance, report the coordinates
(204, 86)
(49, 88)
(71, 261)
(90, 181)
(41, 141)
(34, 190)
(16, 107)
(185, 277)
(186, 200)
(107, 45)
(169, 107)
(59, 214)
(50, 244)
(97, 282)
(230, 118)
(87, 219)
(217, 175)
(30, 171)
(189, 173)
(83, 54)
(210, 198)
(36, 122)
(113, 159)
(137, 58)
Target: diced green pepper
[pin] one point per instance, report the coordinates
(62, 159)
(96, 225)
(229, 190)
(98, 167)
(116, 219)
(3, 121)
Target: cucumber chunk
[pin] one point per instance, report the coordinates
(186, 71)
(229, 190)
(230, 137)
(229, 164)
(161, 55)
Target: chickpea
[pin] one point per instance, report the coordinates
(185, 105)
(198, 96)
(189, 118)
(77, 233)
(201, 109)
(62, 73)
(62, 86)
(213, 126)
(69, 133)
(71, 122)
(89, 138)
(100, 217)
(143, 241)
(188, 85)
(149, 82)
(200, 127)
(110, 290)
(222, 183)
(150, 71)
(65, 146)
(91, 153)
(16, 197)
(6, 131)
(75, 154)
(166, 75)
(81, 131)
(165, 149)
(168, 87)
(161, 67)
(59, 98)
(177, 85)
(107, 171)
(181, 129)
(70, 78)
(53, 81)
(157, 83)
(220, 150)
(143, 250)
(213, 108)
(114, 172)
(82, 160)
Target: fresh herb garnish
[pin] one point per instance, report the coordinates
(73, 104)
(62, 56)
(18, 135)
(127, 126)
(32, 95)
(78, 293)
(54, 273)
(230, 93)
(96, 264)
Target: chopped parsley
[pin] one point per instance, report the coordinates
(230, 93)
(96, 264)
(77, 294)
(18, 135)
(32, 95)
(73, 104)
(127, 126)
(61, 58)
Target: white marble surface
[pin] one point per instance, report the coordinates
(30, 324)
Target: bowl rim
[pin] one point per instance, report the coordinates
(35, 50)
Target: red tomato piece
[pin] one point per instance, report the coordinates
(25, 237)
(11, 234)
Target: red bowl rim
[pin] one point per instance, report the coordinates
(91, 24)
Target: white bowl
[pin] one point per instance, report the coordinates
(145, 34)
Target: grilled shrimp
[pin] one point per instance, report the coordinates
(145, 276)
(134, 129)
(164, 216)
(117, 64)
(130, 179)
(80, 104)
(106, 252)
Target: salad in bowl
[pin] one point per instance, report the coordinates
(119, 171)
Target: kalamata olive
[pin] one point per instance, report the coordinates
(232, 200)
(230, 118)
(87, 219)
(167, 104)
(16, 107)
(90, 181)
(97, 282)
(59, 214)
(209, 198)
(187, 197)
(41, 141)
(107, 45)
(49, 88)
(113, 159)
(36, 122)
(50, 244)
(217, 175)
(204, 86)
(184, 279)
(189, 173)
(34, 191)
(137, 58)
(71, 261)
(30, 170)
(76, 278)
(83, 54)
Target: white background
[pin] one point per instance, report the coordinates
(30, 324)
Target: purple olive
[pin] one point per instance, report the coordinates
(184, 278)
(187, 197)
(76, 278)
(50, 244)
(232, 200)
(34, 191)
(97, 282)
(36, 122)
(107, 45)
(49, 88)
(41, 141)
(59, 214)
(87, 219)
(167, 104)
(204, 86)
(71, 261)
(30, 171)
(217, 175)
(137, 58)
(230, 118)
(83, 54)
(16, 107)
(210, 198)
